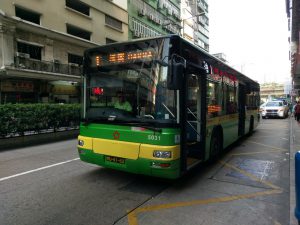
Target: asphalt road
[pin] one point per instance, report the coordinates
(48, 184)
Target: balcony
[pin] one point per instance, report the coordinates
(25, 67)
(25, 63)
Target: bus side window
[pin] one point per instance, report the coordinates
(214, 99)
(230, 99)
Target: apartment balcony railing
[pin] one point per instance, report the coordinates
(22, 62)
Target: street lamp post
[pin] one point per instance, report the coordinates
(183, 21)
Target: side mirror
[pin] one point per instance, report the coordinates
(176, 72)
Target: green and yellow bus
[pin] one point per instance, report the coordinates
(183, 106)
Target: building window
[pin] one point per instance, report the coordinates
(78, 6)
(113, 22)
(108, 41)
(77, 59)
(35, 52)
(28, 15)
(78, 32)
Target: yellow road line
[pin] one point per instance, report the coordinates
(269, 146)
(276, 223)
(132, 217)
(273, 129)
(251, 176)
(274, 136)
(253, 153)
(207, 201)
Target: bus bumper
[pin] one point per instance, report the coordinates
(157, 168)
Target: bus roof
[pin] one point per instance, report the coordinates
(210, 58)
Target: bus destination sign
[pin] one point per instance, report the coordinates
(122, 57)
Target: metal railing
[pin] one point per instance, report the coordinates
(47, 66)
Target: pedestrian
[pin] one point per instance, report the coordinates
(297, 112)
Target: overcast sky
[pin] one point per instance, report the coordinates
(253, 34)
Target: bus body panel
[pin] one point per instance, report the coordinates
(135, 134)
(229, 126)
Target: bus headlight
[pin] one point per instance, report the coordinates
(162, 154)
(80, 142)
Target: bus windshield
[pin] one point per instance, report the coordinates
(128, 83)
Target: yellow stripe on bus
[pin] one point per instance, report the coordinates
(123, 149)
(222, 119)
(128, 150)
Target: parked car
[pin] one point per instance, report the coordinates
(275, 109)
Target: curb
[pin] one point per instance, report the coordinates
(35, 139)
(293, 220)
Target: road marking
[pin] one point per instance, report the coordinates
(269, 146)
(276, 223)
(38, 169)
(132, 217)
(273, 136)
(254, 153)
(250, 176)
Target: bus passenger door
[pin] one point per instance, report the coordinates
(242, 110)
(193, 121)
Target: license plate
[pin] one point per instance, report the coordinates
(115, 159)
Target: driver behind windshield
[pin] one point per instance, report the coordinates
(122, 103)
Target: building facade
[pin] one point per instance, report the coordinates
(153, 18)
(269, 91)
(42, 45)
(293, 14)
(195, 22)
(188, 18)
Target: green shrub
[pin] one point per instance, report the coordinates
(19, 118)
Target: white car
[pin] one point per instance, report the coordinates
(275, 109)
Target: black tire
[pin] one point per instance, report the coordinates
(263, 117)
(215, 144)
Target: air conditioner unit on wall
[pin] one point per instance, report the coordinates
(23, 55)
(141, 12)
(151, 17)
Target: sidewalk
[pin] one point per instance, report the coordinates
(294, 147)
